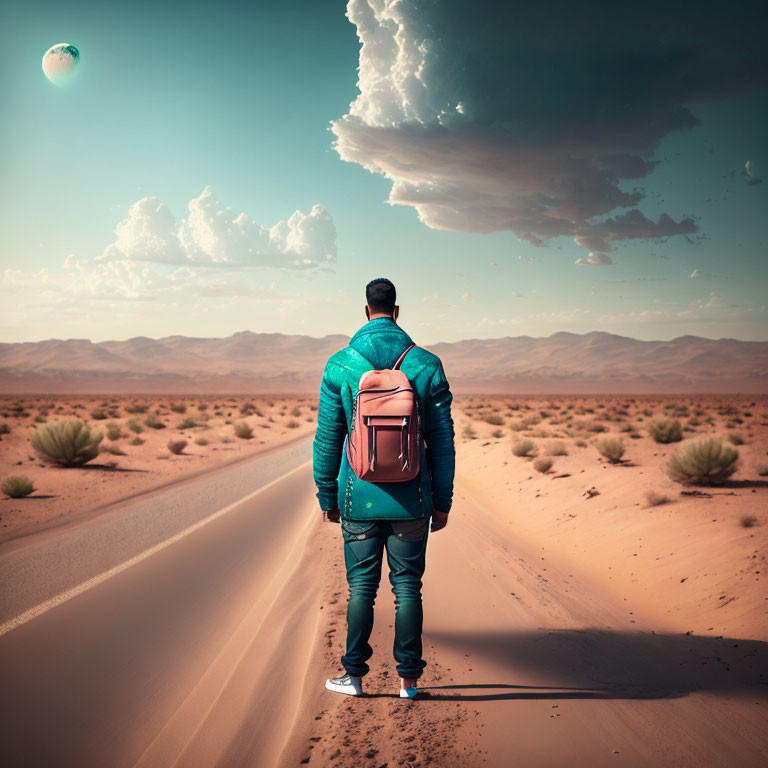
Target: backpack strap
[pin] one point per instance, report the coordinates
(400, 359)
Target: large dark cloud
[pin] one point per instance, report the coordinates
(527, 116)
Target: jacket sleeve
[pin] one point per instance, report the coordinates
(438, 435)
(329, 440)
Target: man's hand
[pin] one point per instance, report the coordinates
(439, 520)
(331, 516)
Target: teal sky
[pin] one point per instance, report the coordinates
(169, 99)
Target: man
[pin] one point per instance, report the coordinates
(378, 517)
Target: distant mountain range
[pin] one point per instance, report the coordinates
(261, 363)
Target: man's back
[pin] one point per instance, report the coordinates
(377, 345)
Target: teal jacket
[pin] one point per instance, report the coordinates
(376, 346)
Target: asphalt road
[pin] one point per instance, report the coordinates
(108, 628)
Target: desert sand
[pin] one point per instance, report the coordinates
(125, 466)
(564, 627)
(595, 613)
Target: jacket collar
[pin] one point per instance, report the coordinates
(385, 322)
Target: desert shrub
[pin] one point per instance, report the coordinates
(557, 449)
(469, 432)
(201, 440)
(581, 443)
(136, 408)
(762, 470)
(138, 441)
(665, 430)
(244, 430)
(69, 443)
(497, 433)
(187, 424)
(177, 445)
(523, 447)
(98, 414)
(179, 408)
(654, 498)
(247, 409)
(296, 411)
(153, 422)
(5, 428)
(292, 424)
(494, 419)
(135, 426)
(748, 521)
(542, 464)
(17, 486)
(114, 432)
(39, 419)
(612, 448)
(705, 462)
(593, 426)
(736, 438)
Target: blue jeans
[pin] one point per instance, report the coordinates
(405, 542)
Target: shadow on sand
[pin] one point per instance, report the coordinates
(601, 664)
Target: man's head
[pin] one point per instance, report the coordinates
(381, 296)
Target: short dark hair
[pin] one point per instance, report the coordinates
(381, 295)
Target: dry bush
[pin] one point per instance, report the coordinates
(201, 440)
(705, 462)
(5, 428)
(137, 441)
(134, 426)
(136, 408)
(542, 464)
(296, 412)
(523, 448)
(153, 422)
(113, 431)
(98, 414)
(469, 432)
(68, 443)
(494, 419)
(17, 486)
(292, 424)
(177, 445)
(735, 438)
(187, 423)
(179, 408)
(665, 430)
(612, 448)
(557, 449)
(748, 521)
(243, 430)
(497, 433)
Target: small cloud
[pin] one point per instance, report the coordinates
(595, 260)
(696, 273)
(750, 175)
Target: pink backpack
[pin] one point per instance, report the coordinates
(384, 444)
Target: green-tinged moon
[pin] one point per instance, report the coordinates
(59, 62)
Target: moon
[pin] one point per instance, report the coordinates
(59, 62)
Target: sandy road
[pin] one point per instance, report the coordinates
(213, 650)
(136, 669)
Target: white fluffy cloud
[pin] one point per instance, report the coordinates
(527, 118)
(211, 235)
(595, 260)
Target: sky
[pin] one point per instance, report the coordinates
(521, 170)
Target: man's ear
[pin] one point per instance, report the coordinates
(395, 312)
(367, 312)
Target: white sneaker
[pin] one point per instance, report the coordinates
(349, 684)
